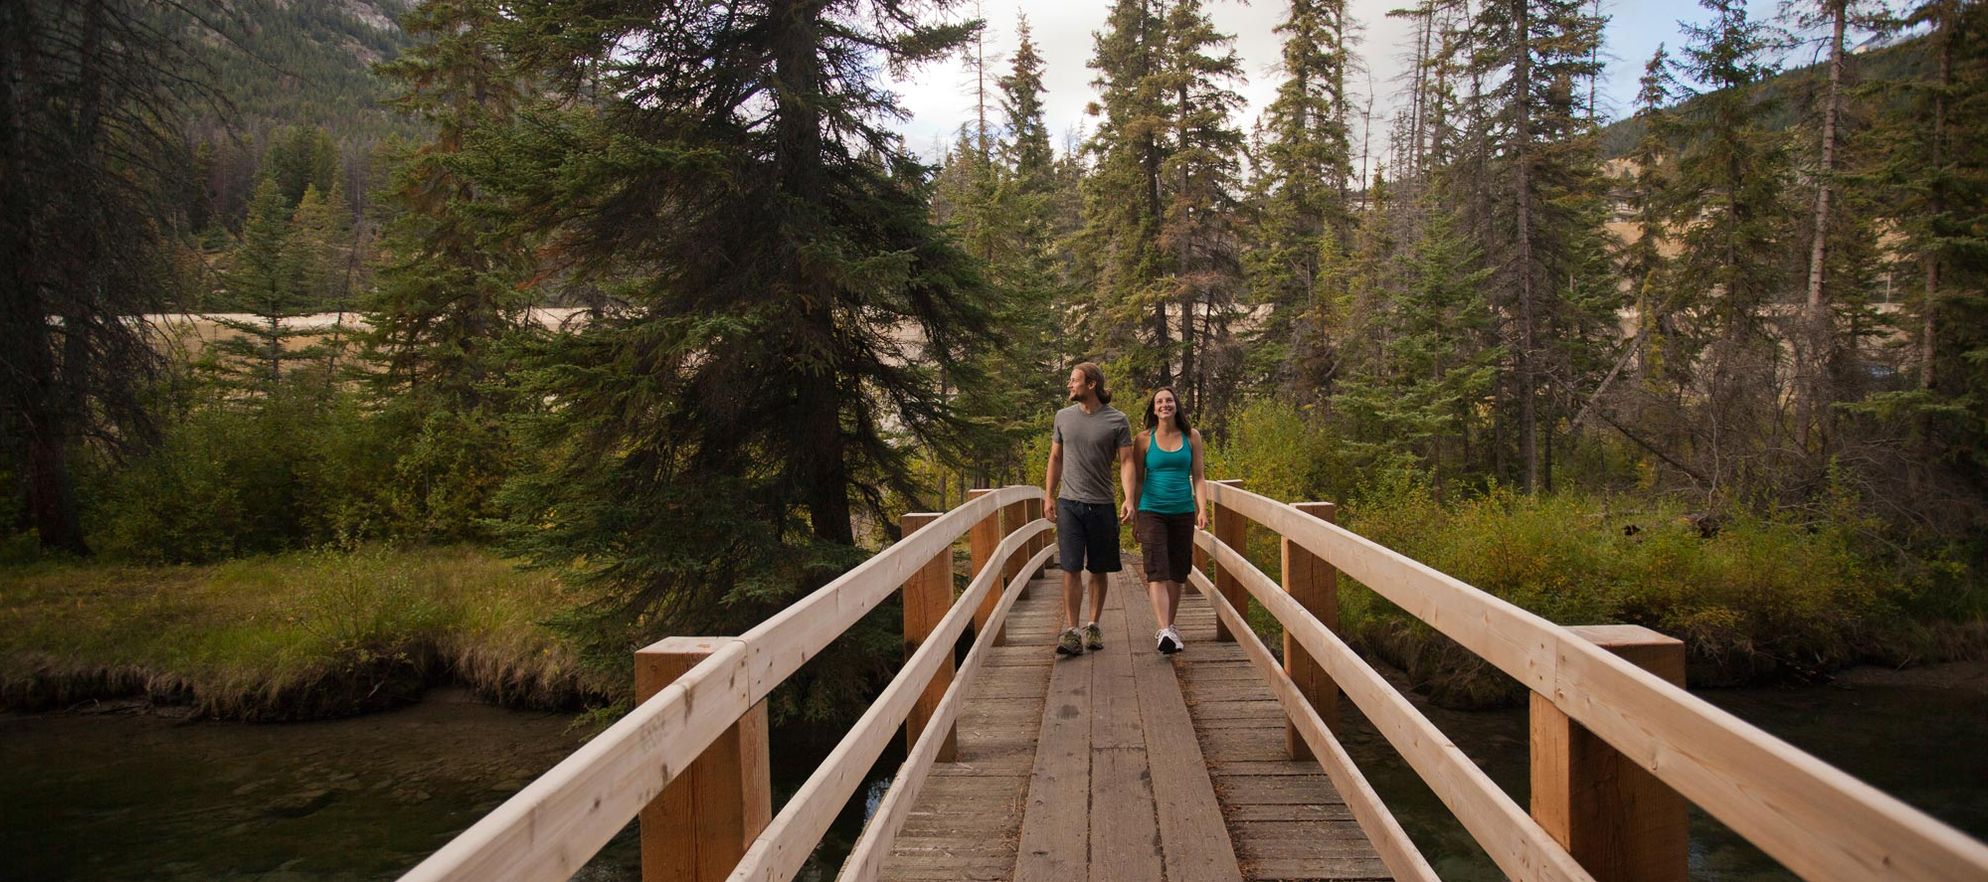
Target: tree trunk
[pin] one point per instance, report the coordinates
(1816, 340)
(1522, 159)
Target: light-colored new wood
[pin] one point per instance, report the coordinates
(981, 539)
(697, 830)
(552, 826)
(1618, 820)
(1032, 510)
(874, 844)
(927, 597)
(1014, 515)
(1823, 824)
(548, 830)
(1230, 526)
(1312, 583)
(1396, 850)
(779, 852)
(1508, 835)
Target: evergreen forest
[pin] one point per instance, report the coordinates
(644, 310)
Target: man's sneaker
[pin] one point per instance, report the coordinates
(1170, 642)
(1093, 637)
(1070, 643)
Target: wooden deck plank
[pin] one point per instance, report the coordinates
(1055, 834)
(1125, 838)
(1123, 765)
(1194, 839)
(969, 814)
(1284, 817)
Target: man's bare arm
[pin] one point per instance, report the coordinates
(1052, 476)
(1128, 478)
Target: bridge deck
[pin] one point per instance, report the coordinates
(1124, 765)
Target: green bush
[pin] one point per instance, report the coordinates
(296, 469)
(1754, 596)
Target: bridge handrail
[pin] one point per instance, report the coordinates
(548, 830)
(779, 851)
(1513, 840)
(866, 858)
(1403, 860)
(1817, 820)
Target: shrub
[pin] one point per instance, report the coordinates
(1763, 596)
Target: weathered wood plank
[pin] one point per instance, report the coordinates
(1054, 843)
(1125, 840)
(1195, 840)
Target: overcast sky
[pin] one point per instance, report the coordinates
(940, 96)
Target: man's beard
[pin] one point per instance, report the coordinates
(1076, 396)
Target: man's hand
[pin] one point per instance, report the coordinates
(1125, 512)
(1049, 507)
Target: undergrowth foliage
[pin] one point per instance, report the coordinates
(1756, 594)
(318, 633)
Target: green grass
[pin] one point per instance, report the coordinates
(290, 636)
(1761, 597)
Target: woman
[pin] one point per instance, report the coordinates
(1172, 503)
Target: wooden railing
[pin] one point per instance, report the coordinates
(1592, 707)
(691, 755)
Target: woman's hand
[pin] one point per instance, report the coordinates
(1125, 512)
(1201, 518)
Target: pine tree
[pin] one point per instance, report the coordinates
(1026, 149)
(1126, 315)
(264, 282)
(1541, 173)
(1816, 347)
(1732, 175)
(301, 157)
(1420, 386)
(1303, 164)
(1929, 161)
(786, 305)
(450, 288)
(91, 92)
(1200, 183)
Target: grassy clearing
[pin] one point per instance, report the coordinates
(1756, 598)
(291, 636)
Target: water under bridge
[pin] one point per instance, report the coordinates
(1218, 763)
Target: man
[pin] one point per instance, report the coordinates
(1090, 435)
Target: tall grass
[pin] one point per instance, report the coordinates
(1753, 596)
(293, 636)
(1756, 594)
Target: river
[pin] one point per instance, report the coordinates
(129, 796)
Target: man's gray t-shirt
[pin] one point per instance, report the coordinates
(1090, 442)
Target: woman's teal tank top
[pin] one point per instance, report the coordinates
(1169, 488)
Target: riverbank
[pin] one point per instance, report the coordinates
(298, 636)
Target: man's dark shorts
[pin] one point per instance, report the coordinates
(1087, 537)
(1166, 544)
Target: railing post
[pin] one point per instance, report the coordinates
(1230, 529)
(700, 826)
(1013, 516)
(982, 538)
(927, 597)
(1032, 510)
(1314, 584)
(1614, 817)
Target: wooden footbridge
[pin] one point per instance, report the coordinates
(1215, 764)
